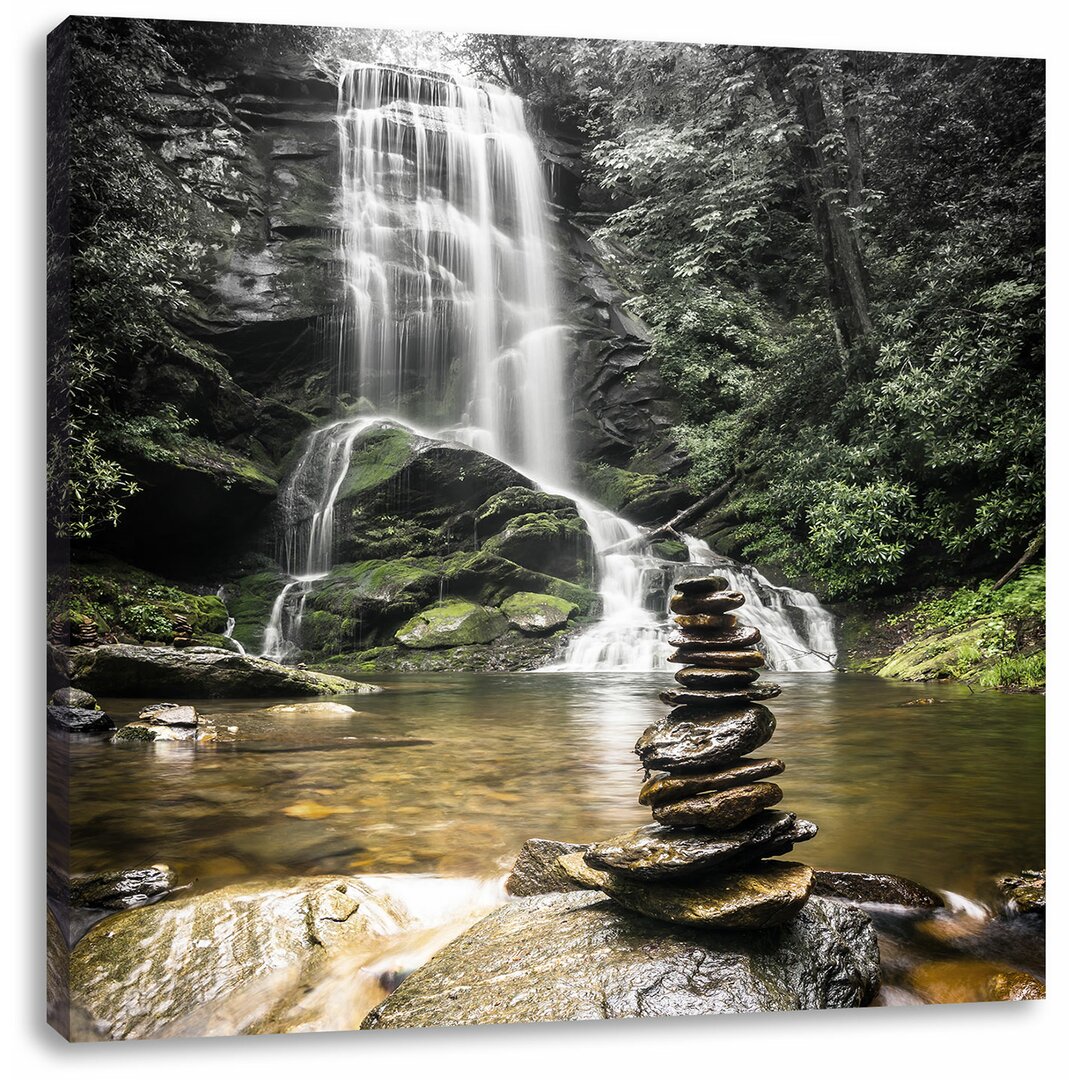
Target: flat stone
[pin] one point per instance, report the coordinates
(140, 731)
(314, 708)
(658, 853)
(706, 622)
(170, 715)
(874, 889)
(537, 870)
(663, 787)
(702, 678)
(122, 889)
(718, 810)
(713, 603)
(728, 658)
(692, 742)
(703, 640)
(580, 956)
(718, 700)
(712, 583)
(760, 895)
(76, 720)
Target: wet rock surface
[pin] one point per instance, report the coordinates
(67, 718)
(689, 742)
(1024, 892)
(720, 699)
(140, 970)
(579, 956)
(874, 889)
(665, 787)
(759, 895)
(718, 810)
(121, 889)
(656, 852)
(74, 699)
(537, 869)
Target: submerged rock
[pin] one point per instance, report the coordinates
(142, 731)
(314, 708)
(689, 741)
(1024, 892)
(139, 970)
(577, 956)
(756, 896)
(121, 889)
(658, 853)
(537, 869)
(78, 720)
(134, 670)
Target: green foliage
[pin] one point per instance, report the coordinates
(1023, 598)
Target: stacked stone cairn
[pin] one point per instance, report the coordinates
(705, 861)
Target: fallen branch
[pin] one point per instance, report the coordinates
(1032, 550)
(693, 511)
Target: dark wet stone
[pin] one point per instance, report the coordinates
(121, 889)
(663, 788)
(718, 810)
(1024, 892)
(78, 720)
(712, 583)
(706, 622)
(658, 853)
(170, 715)
(142, 731)
(728, 658)
(701, 678)
(874, 889)
(720, 700)
(754, 897)
(579, 956)
(713, 603)
(710, 640)
(692, 742)
(536, 869)
(75, 699)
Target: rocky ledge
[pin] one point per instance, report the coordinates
(580, 956)
(137, 670)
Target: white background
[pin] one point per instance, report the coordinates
(1031, 1040)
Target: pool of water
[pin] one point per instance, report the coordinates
(948, 793)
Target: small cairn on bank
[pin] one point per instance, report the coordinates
(706, 859)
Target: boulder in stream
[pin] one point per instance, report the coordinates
(68, 718)
(579, 956)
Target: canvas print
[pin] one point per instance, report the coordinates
(540, 529)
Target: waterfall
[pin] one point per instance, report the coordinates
(230, 623)
(449, 313)
(449, 326)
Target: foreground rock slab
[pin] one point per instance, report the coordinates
(537, 869)
(578, 956)
(140, 670)
(140, 970)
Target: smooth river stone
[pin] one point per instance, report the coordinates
(720, 700)
(692, 742)
(714, 603)
(663, 788)
(711, 640)
(729, 658)
(702, 678)
(762, 894)
(712, 583)
(706, 622)
(718, 810)
(657, 853)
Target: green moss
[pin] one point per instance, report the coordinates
(617, 488)
(322, 631)
(251, 599)
(377, 457)
(671, 550)
(452, 623)
(512, 502)
(537, 613)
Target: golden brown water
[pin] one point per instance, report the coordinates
(948, 794)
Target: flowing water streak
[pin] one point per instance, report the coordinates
(230, 623)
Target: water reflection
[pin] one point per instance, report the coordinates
(948, 793)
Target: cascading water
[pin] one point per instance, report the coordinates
(230, 623)
(449, 324)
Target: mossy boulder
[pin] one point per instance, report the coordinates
(453, 623)
(939, 654)
(537, 613)
(250, 600)
(514, 502)
(555, 543)
(671, 550)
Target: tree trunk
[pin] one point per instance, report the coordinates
(1032, 550)
(827, 189)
